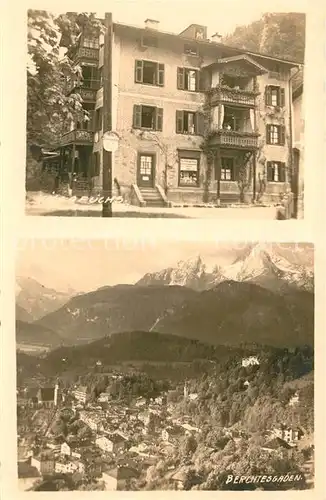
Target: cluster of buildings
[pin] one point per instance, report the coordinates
(122, 442)
(192, 119)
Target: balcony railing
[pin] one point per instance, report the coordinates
(77, 136)
(233, 96)
(87, 53)
(237, 140)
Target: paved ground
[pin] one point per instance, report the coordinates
(48, 205)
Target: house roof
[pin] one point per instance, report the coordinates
(116, 438)
(47, 393)
(179, 475)
(122, 472)
(82, 388)
(297, 84)
(277, 443)
(25, 470)
(204, 43)
(239, 58)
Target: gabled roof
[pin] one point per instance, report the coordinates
(242, 57)
(277, 443)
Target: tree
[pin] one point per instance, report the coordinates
(279, 35)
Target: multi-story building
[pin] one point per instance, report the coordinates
(195, 120)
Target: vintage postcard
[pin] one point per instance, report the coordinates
(130, 116)
(165, 366)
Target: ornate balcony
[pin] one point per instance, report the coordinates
(82, 137)
(227, 95)
(235, 140)
(87, 53)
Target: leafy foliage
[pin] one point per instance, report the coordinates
(50, 74)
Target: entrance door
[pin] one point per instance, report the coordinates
(145, 170)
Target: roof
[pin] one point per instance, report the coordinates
(277, 443)
(82, 388)
(47, 393)
(26, 470)
(179, 475)
(297, 84)
(206, 43)
(116, 438)
(122, 472)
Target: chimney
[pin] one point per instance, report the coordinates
(152, 24)
(217, 38)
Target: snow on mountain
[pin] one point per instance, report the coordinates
(262, 263)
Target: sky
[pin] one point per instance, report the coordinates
(175, 15)
(85, 265)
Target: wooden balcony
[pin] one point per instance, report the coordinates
(87, 53)
(82, 137)
(226, 95)
(234, 140)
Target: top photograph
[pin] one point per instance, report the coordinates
(165, 117)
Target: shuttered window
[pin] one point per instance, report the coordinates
(148, 117)
(189, 122)
(275, 134)
(149, 72)
(274, 96)
(187, 79)
(276, 171)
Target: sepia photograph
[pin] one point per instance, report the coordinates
(164, 365)
(195, 115)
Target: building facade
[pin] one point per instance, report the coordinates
(196, 121)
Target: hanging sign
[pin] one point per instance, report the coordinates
(110, 141)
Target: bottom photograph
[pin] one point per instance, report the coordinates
(164, 365)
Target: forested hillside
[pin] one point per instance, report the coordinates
(280, 35)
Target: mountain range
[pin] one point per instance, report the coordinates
(34, 300)
(263, 297)
(268, 265)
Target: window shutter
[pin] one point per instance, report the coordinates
(138, 71)
(179, 126)
(268, 95)
(270, 173)
(137, 116)
(180, 78)
(160, 75)
(202, 81)
(200, 123)
(268, 134)
(282, 172)
(100, 119)
(282, 98)
(159, 119)
(96, 164)
(282, 135)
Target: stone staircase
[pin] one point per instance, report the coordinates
(152, 197)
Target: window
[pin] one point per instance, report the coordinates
(148, 117)
(275, 171)
(187, 79)
(189, 122)
(190, 50)
(227, 169)
(275, 134)
(274, 96)
(98, 119)
(151, 73)
(146, 164)
(91, 77)
(91, 43)
(189, 168)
